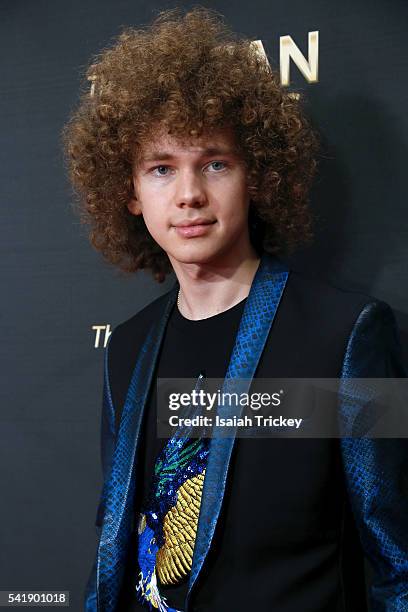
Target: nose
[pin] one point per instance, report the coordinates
(190, 190)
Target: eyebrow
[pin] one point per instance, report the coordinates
(155, 155)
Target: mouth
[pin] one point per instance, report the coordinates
(194, 227)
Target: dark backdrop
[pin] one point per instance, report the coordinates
(55, 288)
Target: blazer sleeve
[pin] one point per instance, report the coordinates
(376, 469)
(107, 446)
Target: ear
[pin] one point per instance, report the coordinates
(134, 206)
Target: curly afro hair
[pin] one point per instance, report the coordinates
(192, 74)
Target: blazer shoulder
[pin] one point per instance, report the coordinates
(374, 347)
(326, 292)
(128, 336)
(332, 307)
(358, 323)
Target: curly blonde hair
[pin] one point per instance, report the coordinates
(192, 74)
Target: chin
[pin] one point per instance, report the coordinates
(185, 259)
(196, 255)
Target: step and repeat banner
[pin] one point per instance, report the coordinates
(61, 299)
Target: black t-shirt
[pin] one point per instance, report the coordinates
(188, 348)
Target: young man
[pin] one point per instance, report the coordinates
(190, 157)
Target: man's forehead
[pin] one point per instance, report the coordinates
(222, 138)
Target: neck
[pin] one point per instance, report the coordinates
(207, 290)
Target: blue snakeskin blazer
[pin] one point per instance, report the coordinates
(366, 345)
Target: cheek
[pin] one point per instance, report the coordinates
(236, 210)
(236, 195)
(156, 224)
(152, 207)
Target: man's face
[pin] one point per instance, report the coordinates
(193, 197)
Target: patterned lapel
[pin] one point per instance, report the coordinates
(120, 487)
(260, 309)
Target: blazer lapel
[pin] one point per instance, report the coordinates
(260, 309)
(120, 487)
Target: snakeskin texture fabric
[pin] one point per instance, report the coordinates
(374, 468)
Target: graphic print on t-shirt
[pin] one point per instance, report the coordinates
(168, 523)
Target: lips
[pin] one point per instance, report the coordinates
(191, 228)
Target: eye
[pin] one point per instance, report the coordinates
(217, 165)
(157, 171)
